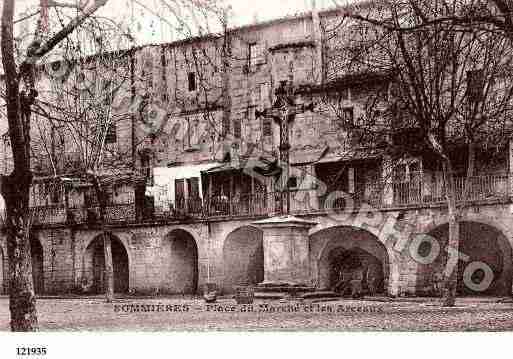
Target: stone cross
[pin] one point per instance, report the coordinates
(284, 111)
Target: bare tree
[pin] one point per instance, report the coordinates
(21, 92)
(447, 83)
(101, 83)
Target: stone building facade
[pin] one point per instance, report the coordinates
(196, 200)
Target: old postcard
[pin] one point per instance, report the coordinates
(205, 165)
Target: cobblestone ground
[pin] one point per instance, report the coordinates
(163, 314)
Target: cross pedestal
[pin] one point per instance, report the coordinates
(286, 254)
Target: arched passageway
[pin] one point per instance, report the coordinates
(182, 274)
(345, 253)
(243, 258)
(94, 266)
(480, 243)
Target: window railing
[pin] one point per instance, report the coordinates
(471, 189)
(379, 195)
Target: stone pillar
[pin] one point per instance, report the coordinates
(394, 273)
(286, 254)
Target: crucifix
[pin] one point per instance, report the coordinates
(284, 111)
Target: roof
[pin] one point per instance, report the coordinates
(324, 155)
(347, 80)
(223, 168)
(357, 154)
(307, 157)
(106, 177)
(284, 221)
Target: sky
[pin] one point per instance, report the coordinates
(149, 28)
(153, 30)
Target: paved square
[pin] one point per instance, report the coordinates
(165, 314)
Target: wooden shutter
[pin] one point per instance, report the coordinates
(179, 189)
(193, 187)
(237, 128)
(225, 125)
(111, 136)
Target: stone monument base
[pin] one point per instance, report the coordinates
(292, 291)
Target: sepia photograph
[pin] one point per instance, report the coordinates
(228, 166)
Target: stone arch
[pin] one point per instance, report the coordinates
(350, 250)
(182, 274)
(469, 215)
(482, 242)
(93, 268)
(37, 255)
(243, 258)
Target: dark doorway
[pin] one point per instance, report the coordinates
(183, 263)
(95, 255)
(356, 264)
(480, 243)
(243, 258)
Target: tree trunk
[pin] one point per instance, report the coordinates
(15, 188)
(109, 273)
(450, 283)
(471, 164)
(22, 299)
(107, 242)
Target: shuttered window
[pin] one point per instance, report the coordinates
(225, 125)
(267, 127)
(237, 128)
(179, 189)
(111, 136)
(193, 187)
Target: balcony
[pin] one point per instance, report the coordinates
(377, 195)
(246, 205)
(52, 214)
(472, 189)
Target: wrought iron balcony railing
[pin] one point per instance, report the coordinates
(379, 195)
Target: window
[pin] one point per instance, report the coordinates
(225, 125)
(255, 55)
(348, 116)
(147, 71)
(475, 85)
(55, 195)
(343, 120)
(237, 128)
(351, 180)
(191, 79)
(193, 187)
(111, 136)
(345, 94)
(179, 191)
(267, 127)
(146, 168)
(408, 172)
(163, 64)
(292, 183)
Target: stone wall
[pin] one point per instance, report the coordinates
(182, 258)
